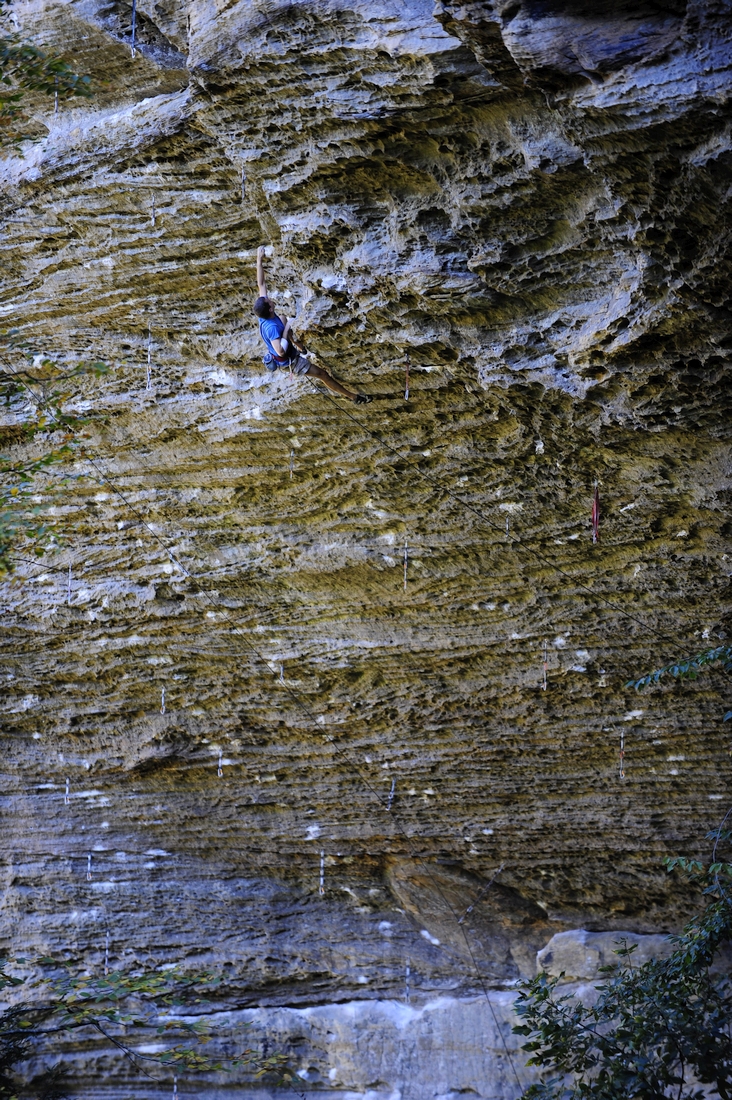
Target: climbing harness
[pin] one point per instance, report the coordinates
(481, 894)
(406, 563)
(406, 382)
(67, 800)
(162, 701)
(134, 23)
(321, 887)
(543, 686)
(391, 794)
(596, 515)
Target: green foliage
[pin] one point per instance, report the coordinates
(688, 668)
(26, 68)
(114, 1006)
(36, 392)
(654, 1031)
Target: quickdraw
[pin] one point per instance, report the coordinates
(596, 515)
(134, 26)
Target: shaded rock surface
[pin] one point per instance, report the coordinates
(532, 202)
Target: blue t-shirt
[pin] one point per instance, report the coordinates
(271, 328)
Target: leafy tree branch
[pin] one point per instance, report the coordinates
(689, 668)
(654, 1031)
(24, 68)
(64, 1003)
(38, 397)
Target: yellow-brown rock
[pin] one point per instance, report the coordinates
(531, 202)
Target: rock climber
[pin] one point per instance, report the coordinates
(282, 348)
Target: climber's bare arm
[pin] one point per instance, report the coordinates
(261, 284)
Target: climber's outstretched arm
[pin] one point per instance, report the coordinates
(262, 285)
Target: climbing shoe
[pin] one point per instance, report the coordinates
(363, 399)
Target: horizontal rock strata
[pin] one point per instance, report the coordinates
(531, 208)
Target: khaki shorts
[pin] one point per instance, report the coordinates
(299, 365)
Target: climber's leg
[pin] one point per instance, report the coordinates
(328, 380)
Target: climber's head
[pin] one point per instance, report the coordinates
(262, 307)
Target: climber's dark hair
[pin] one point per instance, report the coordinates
(262, 308)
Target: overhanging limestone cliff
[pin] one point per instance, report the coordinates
(534, 205)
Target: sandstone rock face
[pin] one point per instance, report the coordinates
(579, 954)
(531, 202)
